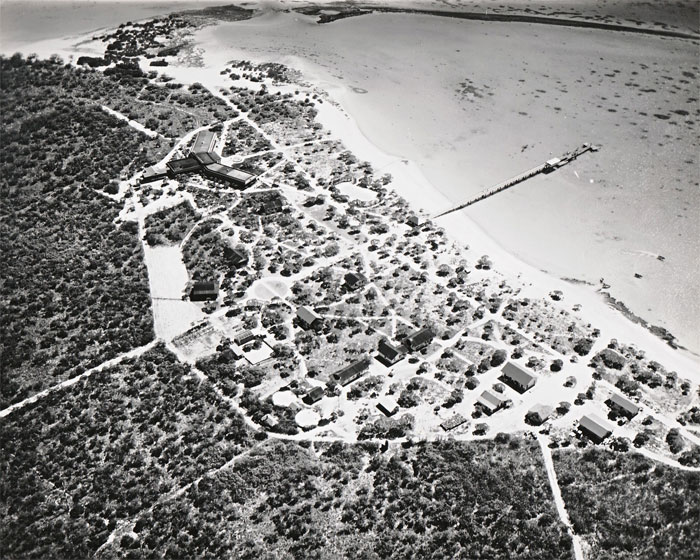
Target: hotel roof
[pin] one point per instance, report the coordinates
(205, 158)
(204, 141)
(229, 173)
(183, 165)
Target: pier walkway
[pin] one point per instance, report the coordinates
(547, 167)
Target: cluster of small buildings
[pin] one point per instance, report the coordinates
(597, 429)
(389, 354)
(201, 159)
(517, 378)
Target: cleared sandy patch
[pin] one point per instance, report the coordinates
(255, 356)
(307, 418)
(353, 191)
(284, 398)
(167, 278)
(266, 289)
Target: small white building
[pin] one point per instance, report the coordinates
(269, 420)
(388, 405)
(489, 402)
(308, 318)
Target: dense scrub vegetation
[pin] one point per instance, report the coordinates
(288, 119)
(73, 285)
(170, 226)
(438, 500)
(629, 507)
(165, 107)
(55, 134)
(207, 255)
(222, 370)
(97, 453)
(243, 139)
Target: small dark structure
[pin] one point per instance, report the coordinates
(594, 428)
(151, 174)
(230, 355)
(388, 353)
(244, 338)
(489, 402)
(388, 406)
(452, 422)
(517, 377)
(204, 142)
(551, 165)
(623, 406)
(314, 395)
(419, 340)
(355, 280)
(272, 205)
(253, 305)
(308, 319)
(183, 165)
(413, 221)
(269, 420)
(205, 158)
(351, 373)
(204, 291)
(235, 257)
(228, 174)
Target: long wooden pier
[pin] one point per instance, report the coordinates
(547, 167)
